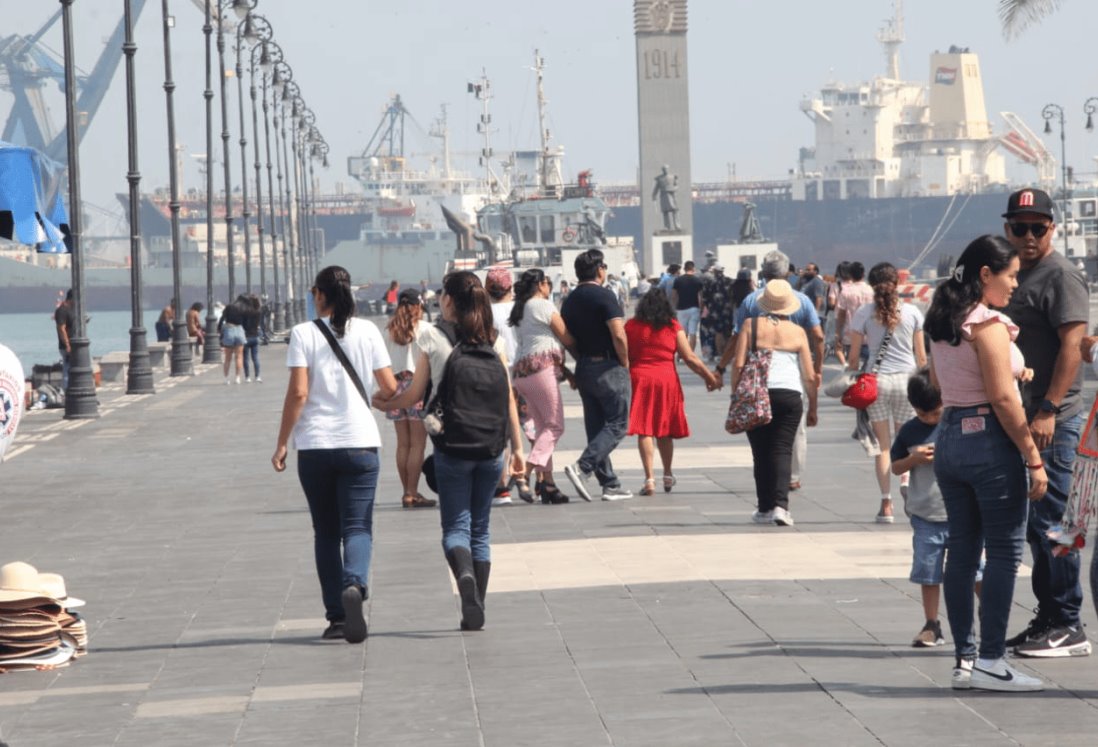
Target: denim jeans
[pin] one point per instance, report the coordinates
(251, 347)
(339, 485)
(984, 484)
(1056, 580)
(66, 366)
(604, 389)
(465, 490)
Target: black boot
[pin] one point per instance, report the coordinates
(482, 569)
(472, 609)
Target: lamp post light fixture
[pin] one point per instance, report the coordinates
(80, 399)
(278, 121)
(139, 376)
(270, 52)
(182, 365)
(1050, 111)
(1089, 107)
(261, 30)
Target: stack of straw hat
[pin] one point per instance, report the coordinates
(39, 627)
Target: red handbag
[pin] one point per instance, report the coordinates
(863, 392)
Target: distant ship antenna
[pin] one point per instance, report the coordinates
(549, 177)
(442, 132)
(482, 89)
(891, 36)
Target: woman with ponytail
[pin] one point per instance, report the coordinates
(982, 454)
(337, 442)
(405, 326)
(893, 331)
(538, 370)
(465, 485)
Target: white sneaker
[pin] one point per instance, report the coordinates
(247, 380)
(503, 500)
(616, 494)
(258, 380)
(763, 517)
(580, 480)
(228, 381)
(962, 675)
(782, 517)
(1001, 677)
(237, 379)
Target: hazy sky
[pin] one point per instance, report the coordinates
(750, 64)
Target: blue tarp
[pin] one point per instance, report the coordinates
(30, 191)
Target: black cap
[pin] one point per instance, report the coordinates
(410, 297)
(1030, 201)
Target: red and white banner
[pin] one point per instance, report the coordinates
(11, 397)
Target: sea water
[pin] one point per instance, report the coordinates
(33, 336)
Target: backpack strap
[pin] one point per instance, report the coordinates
(754, 334)
(338, 350)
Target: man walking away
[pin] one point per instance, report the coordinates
(593, 316)
(667, 279)
(814, 287)
(1051, 308)
(65, 319)
(686, 303)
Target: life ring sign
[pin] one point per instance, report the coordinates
(568, 235)
(11, 397)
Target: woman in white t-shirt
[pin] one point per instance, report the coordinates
(405, 325)
(905, 354)
(337, 442)
(537, 371)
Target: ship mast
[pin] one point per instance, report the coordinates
(550, 179)
(891, 36)
(442, 132)
(482, 89)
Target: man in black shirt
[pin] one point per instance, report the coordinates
(1051, 308)
(684, 299)
(65, 319)
(593, 316)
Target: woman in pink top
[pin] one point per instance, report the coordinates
(982, 454)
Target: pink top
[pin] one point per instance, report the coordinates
(957, 367)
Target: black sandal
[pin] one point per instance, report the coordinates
(524, 491)
(551, 495)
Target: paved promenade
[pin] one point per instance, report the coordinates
(665, 621)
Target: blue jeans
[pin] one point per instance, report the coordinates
(984, 484)
(1056, 580)
(465, 490)
(251, 347)
(339, 485)
(66, 365)
(604, 388)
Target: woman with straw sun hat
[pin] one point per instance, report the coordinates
(790, 376)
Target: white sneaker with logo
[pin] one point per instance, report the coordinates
(999, 676)
(962, 675)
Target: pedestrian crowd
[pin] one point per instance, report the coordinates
(974, 404)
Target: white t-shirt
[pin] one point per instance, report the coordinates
(403, 357)
(900, 355)
(335, 415)
(533, 333)
(501, 312)
(433, 342)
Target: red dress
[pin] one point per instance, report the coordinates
(657, 408)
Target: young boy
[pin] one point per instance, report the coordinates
(913, 450)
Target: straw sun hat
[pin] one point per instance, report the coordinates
(778, 298)
(19, 581)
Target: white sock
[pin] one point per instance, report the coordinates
(886, 496)
(991, 665)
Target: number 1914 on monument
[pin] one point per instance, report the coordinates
(659, 63)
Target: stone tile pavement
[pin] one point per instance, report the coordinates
(669, 620)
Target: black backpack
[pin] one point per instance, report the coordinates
(472, 401)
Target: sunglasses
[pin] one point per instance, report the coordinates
(1021, 229)
(602, 267)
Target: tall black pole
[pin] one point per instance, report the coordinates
(279, 310)
(182, 365)
(258, 180)
(295, 214)
(139, 376)
(245, 213)
(80, 399)
(1050, 111)
(211, 347)
(283, 229)
(225, 154)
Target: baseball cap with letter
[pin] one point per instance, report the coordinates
(1030, 201)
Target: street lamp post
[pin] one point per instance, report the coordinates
(1089, 107)
(270, 53)
(285, 225)
(241, 8)
(210, 350)
(262, 31)
(139, 377)
(80, 400)
(292, 93)
(182, 365)
(1050, 111)
(244, 31)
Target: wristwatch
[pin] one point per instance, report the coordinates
(1047, 406)
(720, 370)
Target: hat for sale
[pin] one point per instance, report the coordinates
(19, 581)
(1030, 201)
(54, 585)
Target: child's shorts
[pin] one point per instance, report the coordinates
(928, 540)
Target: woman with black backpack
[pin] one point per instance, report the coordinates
(470, 414)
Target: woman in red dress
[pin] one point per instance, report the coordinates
(657, 412)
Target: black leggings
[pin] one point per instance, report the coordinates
(772, 449)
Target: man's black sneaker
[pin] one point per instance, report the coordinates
(1057, 642)
(333, 632)
(1034, 630)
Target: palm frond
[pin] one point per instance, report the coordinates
(1018, 15)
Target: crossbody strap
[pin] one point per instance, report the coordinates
(881, 350)
(338, 350)
(754, 334)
